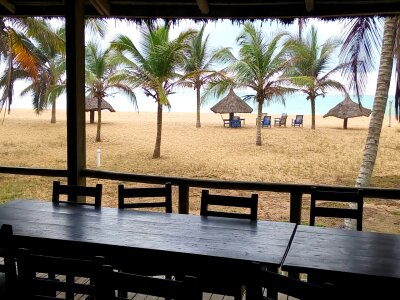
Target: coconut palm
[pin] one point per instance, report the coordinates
(19, 53)
(259, 68)
(153, 66)
(52, 79)
(102, 78)
(311, 68)
(362, 37)
(199, 65)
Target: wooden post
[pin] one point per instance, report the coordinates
(75, 60)
(296, 201)
(92, 117)
(295, 206)
(345, 123)
(183, 204)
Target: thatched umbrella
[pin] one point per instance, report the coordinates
(347, 109)
(231, 104)
(91, 105)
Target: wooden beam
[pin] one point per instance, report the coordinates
(75, 61)
(8, 5)
(309, 5)
(102, 6)
(203, 6)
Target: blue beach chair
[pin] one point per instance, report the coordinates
(266, 122)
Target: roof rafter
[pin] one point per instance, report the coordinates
(309, 5)
(102, 6)
(203, 6)
(8, 5)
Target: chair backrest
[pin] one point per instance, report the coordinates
(232, 201)
(355, 197)
(283, 119)
(235, 123)
(277, 283)
(266, 120)
(299, 119)
(8, 253)
(112, 281)
(73, 191)
(45, 277)
(155, 192)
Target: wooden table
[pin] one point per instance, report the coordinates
(191, 239)
(346, 256)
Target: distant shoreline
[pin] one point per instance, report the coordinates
(189, 118)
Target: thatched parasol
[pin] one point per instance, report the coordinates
(231, 104)
(347, 109)
(91, 105)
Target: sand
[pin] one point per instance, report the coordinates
(328, 155)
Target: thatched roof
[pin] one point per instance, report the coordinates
(205, 9)
(232, 103)
(91, 104)
(348, 109)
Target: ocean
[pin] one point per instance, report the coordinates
(294, 104)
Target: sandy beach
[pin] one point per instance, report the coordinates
(328, 155)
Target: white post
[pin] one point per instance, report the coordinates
(98, 156)
(390, 113)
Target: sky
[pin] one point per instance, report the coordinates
(221, 33)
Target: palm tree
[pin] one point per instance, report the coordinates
(198, 67)
(20, 54)
(364, 35)
(102, 77)
(311, 69)
(154, 65)
(52, 79)
(259, 68)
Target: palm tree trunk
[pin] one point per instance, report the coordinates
(198, 124)
(312, 100)
(157, 147)
(53, 112)
(378, 109)
(258, 124)
(98, 139)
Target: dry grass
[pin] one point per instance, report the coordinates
(328, 155)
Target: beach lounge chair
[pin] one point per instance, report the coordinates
(298, 121)
(266, 121)
(278, 122)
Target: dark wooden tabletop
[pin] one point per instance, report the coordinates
(340, 253)
(209, 237)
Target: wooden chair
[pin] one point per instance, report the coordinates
(262, 281)
(278, 122)
(298, 121)
(355, 197)
(8, 276)
(226, 283)
(35, 273)
(266, 122)
(157, 192)
(112, 281)
(73, 191)
(232, 201)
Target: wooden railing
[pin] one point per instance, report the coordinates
(296, 191)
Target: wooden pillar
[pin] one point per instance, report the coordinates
(75, 59)
(345, 123)
(91, 116)
(183, 204)
(295, 207)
